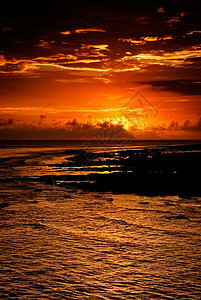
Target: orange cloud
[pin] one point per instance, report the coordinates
(97, 58)
(174, 59)
(45, 44)
(156, 38)
(194, 31)
(86, 30)
(80, 31)
(70, 130)
(65, 32)
(145, 39)
(98, 47)
(173, 20)
(106, 129)
(133, 41)
(161, 9)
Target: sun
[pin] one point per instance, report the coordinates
(122, 121)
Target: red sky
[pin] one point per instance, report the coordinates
(70, 71)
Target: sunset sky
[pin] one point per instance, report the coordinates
(100, 69)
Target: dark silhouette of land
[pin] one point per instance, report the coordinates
(173, 170)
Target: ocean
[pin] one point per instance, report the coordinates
(65, 236)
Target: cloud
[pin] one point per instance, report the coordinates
(70, 130)
(98, 36)
(173, 130)
(45, 44)
(173, 20)
(42, 119)
(193, 31)
(133, 41)
(90, 50)
(86, 30)
(6, 123)
(5, 29)
(67, 32)
(189, 126)
(16, 66)
(106, 129)
(86, 58)
(175, 126)
(105, 55)
(157, 38)
(185, 87)
(144, 39)
(182, 58)
(86, 79)
(83, 30)
(161, 9)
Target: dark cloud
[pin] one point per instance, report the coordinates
(191, 126)
(175, 126)
(99, 131)
(24, 27)
(185, 87)
(41, 119)
(72, 130)
(6, 123)
(49, 48)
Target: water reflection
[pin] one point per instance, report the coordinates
(62, 242)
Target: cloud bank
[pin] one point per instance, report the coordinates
(72, 130)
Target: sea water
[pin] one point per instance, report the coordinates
(64, 243)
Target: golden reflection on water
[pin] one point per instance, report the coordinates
(64, 243)
(100, 245)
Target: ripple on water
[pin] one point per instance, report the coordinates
(96, 245)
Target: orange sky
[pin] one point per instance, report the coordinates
(68, 72)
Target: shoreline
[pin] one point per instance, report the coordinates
(171, 170)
